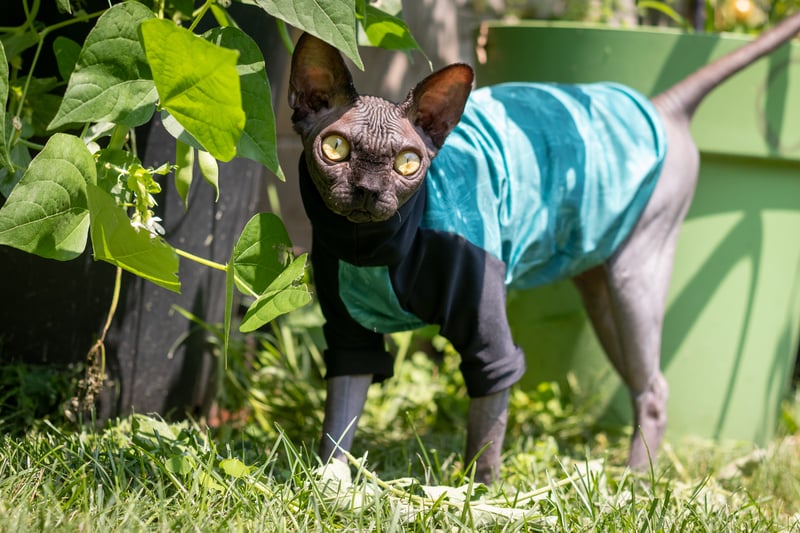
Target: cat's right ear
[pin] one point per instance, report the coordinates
(319, 78)
(435, 105)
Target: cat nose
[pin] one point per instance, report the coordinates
(368, 186)
(369, 183)
(365, 195)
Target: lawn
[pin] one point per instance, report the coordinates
(250, 466)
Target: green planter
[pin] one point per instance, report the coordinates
(732, 321)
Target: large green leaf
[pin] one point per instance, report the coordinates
(47, 213)
(111, 81)
(5, 154)
(116, 241)
(259, 262)
(198, 84)
(333, 21)
(285, 294)
(387, 31)
(259, 140)
(261, 253)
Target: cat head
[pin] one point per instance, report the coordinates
(366, 155)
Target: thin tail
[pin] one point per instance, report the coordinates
(685, 96)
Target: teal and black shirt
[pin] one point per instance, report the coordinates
(537, 182)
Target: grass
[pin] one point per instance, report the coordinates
(251, 467)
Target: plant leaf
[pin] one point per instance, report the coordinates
(16, 43)
(111, 81)
(47, 213)
(21, 158)
(180, 464)
(114, 240)
(234, 467)
(387, 31)
(198, 84)
(175, 129)
(43, 109)
(282, 296)
(208, 481)
(259, 141)
(64, 6)
(333, 21)
(67, 52)
(5, 154)
(261, 253)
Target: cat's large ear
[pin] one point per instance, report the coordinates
(319, 78)
(437, 102)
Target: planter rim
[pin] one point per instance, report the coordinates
(753, 114)
(599, 26)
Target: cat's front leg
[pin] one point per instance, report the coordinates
(343, 406)
(486, 429)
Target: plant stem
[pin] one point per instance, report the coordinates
(118, 136)
(30, 14)
(197, 259)
(284, 34)
(78, 18)
(112, 309)
(200, 14)
(34, 146)
(216, 266)
(95, 374)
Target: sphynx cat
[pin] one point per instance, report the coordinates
(427, 211)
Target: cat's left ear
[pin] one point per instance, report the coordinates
(319, 78)
(437, 102)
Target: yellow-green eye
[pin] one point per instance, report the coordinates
(335, 147)
(406, 163)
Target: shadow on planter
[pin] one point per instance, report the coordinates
(731, 327)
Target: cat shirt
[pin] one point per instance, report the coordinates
(537, 182)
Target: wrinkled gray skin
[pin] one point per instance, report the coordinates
(625, 297)
(366, 188)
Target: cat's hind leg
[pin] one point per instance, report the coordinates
(632, 347)
(627, 321)
(625, 298)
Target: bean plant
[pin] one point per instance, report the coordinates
(69, 170)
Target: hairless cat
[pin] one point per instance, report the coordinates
(427, 211)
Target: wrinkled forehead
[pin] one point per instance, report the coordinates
(373, 122)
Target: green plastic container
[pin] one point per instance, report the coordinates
(731, 331)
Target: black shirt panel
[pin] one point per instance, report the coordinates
(447, 280)
(440, 277)
(352, 349)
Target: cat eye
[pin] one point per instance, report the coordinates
(406, 163)
(335, 148)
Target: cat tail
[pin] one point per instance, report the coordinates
(684, 97)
